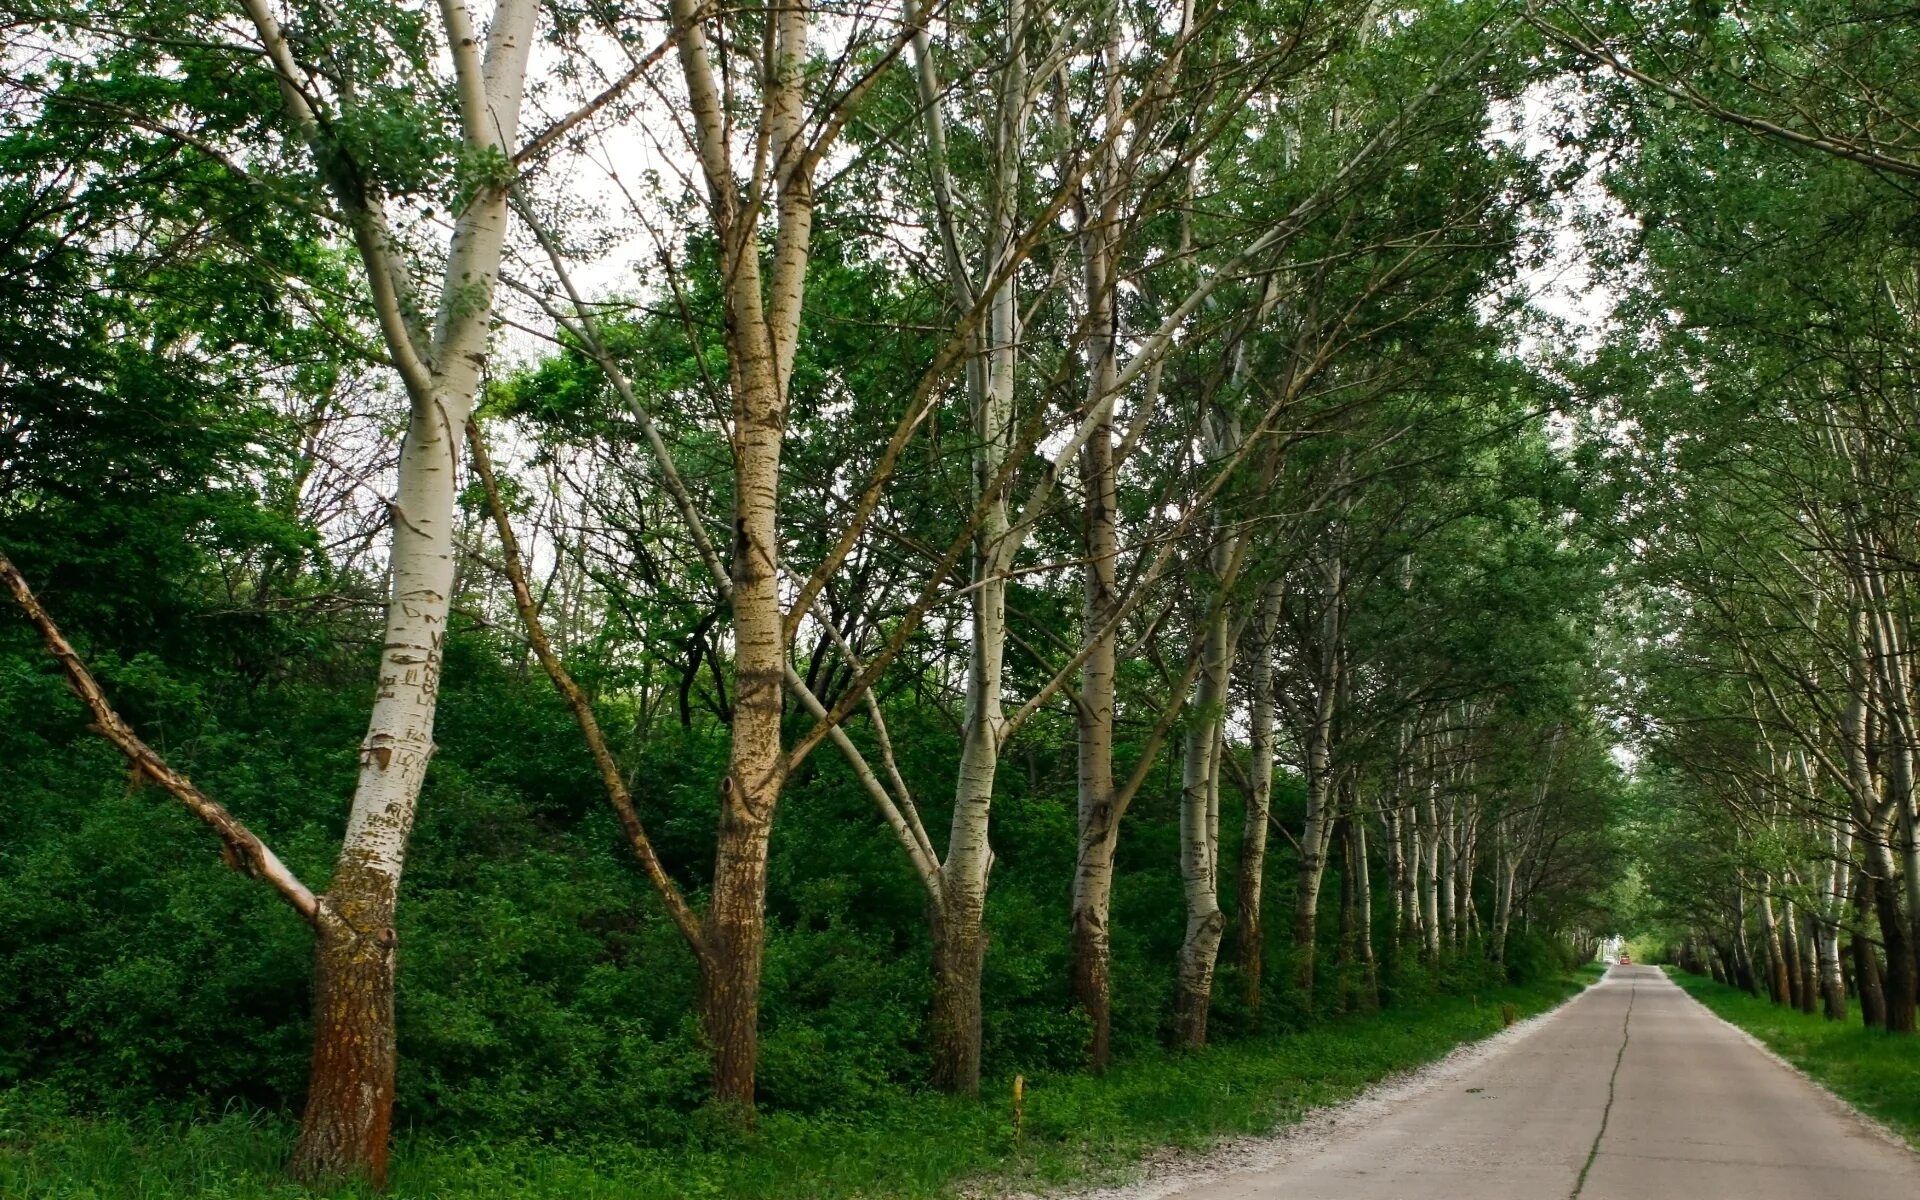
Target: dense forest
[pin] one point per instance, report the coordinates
(850, 551)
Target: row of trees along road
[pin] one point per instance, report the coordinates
(1001, 386)
(1755, 411)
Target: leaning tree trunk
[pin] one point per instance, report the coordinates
(345, 1129)
(348, 1115)
(1779, 980)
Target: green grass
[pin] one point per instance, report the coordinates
(1876, 1072)
(1076, 1128)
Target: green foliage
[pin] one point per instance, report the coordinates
(177, 341)
(917, 1146)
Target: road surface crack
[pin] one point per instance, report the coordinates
(1593, 1152)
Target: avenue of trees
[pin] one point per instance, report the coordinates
(852, 547)
(1757, 405)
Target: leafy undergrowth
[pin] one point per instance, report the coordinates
(1076, 1128)
(1874, 1071)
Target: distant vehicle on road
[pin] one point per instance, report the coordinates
(1626, 960)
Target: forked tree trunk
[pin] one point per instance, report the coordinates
(1200, 782)
(762, 331)
(348, 1115)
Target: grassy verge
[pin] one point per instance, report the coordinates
(1076, 1127)
(1874, 1071)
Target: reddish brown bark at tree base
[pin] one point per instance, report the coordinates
(1092, 987)
(959, 956)
(735, 938)
(1191, 1005)
(346, 1127)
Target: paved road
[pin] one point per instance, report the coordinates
(1631, 1092)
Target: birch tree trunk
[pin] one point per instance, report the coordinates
(1199, 847)
(958, 927)
(1250, 930)
(763, 315)
(1363, 890)
(1898, 982)
(1099, 818)
(1742, 947)
(1779, 979)
(1429, 862)
(345, 1127)
(1317, 831)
